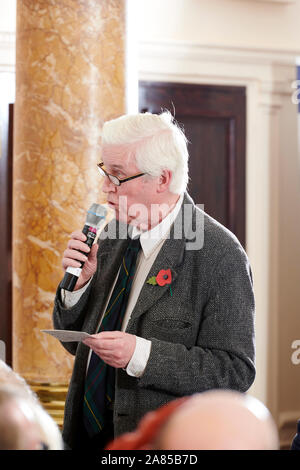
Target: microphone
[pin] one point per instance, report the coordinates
(95, 215)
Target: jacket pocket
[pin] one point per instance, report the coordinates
(172, 323)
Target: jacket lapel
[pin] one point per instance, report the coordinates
(150, 294)
(170, 257)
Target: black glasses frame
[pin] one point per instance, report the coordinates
(119, 181)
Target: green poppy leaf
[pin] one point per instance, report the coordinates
(152, 281)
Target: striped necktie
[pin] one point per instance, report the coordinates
(100, 379)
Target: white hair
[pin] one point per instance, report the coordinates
(15, 384)
(156, 141)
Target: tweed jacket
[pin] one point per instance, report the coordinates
(202, 330)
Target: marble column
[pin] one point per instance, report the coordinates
(70, 78)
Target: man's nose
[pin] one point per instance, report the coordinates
(108, 186)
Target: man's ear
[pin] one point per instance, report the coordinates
(164, 181)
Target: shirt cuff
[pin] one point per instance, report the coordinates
(69, 299)
(138, 362)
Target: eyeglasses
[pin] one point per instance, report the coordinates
(114, 179)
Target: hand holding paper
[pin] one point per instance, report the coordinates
(114, 347)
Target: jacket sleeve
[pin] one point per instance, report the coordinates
(224, 353)
(70, 318)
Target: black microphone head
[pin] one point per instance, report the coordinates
(95, 215)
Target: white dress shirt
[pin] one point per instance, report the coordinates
(151, 243)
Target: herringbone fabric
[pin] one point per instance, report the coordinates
(100, 379)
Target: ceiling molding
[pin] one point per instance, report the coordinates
(189, 50)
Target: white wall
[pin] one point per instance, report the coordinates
(7, 41)
(243, 23)
(8, 15)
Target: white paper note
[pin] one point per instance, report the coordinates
(67, 336)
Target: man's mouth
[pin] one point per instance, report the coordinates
(110, 203)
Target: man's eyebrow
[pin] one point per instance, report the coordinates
(117, 167)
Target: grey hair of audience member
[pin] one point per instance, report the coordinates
(19, 429)
(11, 382)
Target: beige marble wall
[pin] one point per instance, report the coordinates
(70, 78)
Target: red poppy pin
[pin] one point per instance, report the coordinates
(163, 277)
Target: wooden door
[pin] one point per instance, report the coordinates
(214, 119)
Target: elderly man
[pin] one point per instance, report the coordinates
(170, 306)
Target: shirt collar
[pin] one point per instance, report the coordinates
(151, 238)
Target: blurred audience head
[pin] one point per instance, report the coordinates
(212, 420)
(17, 394)
(8, 376)
(18, 427)
(220, 419)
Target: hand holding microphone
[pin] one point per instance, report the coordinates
(80, 257)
